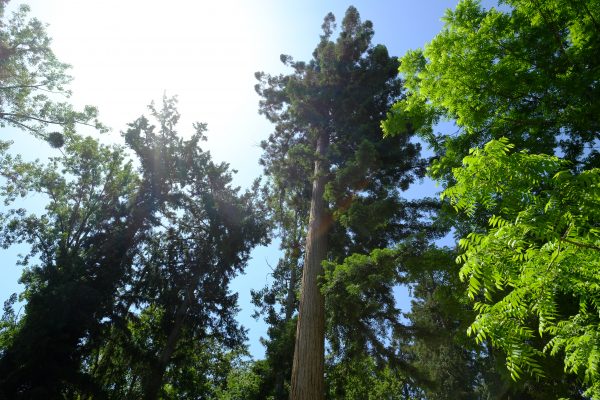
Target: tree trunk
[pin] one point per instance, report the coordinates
(155, 379)
(290, 300)
(308, 382)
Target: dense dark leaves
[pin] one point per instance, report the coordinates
(132, 266)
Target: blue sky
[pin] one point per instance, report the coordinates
(126, 53)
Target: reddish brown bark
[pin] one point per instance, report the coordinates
(308, 382)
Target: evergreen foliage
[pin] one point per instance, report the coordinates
(326, 115)
(127, 268)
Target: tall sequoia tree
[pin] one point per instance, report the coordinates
(327, 115)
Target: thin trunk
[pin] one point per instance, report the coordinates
(155, 380)
(281, 375)
(308, 382)
(132, 383)
(290, 303)
(290, 300)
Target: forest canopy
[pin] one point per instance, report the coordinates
(488, 289)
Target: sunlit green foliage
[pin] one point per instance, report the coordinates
(419, 354)
(535, 271)
(361, 308)
(527, 71)
(365, 379)
(243, 383)
(523, 78)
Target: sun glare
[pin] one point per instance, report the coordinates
(127, 53)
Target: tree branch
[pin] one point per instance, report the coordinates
(39, 87)
(44, 121)
(26, 127)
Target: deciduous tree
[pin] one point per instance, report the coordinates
(134, 267)
(34, 83)
(524, 74)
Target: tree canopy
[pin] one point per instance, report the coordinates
(340, 180)
(128, 262)
(520, 84)
(131, 264)
(34, 83)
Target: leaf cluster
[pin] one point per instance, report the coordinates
(34, 83)
(533, 272)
